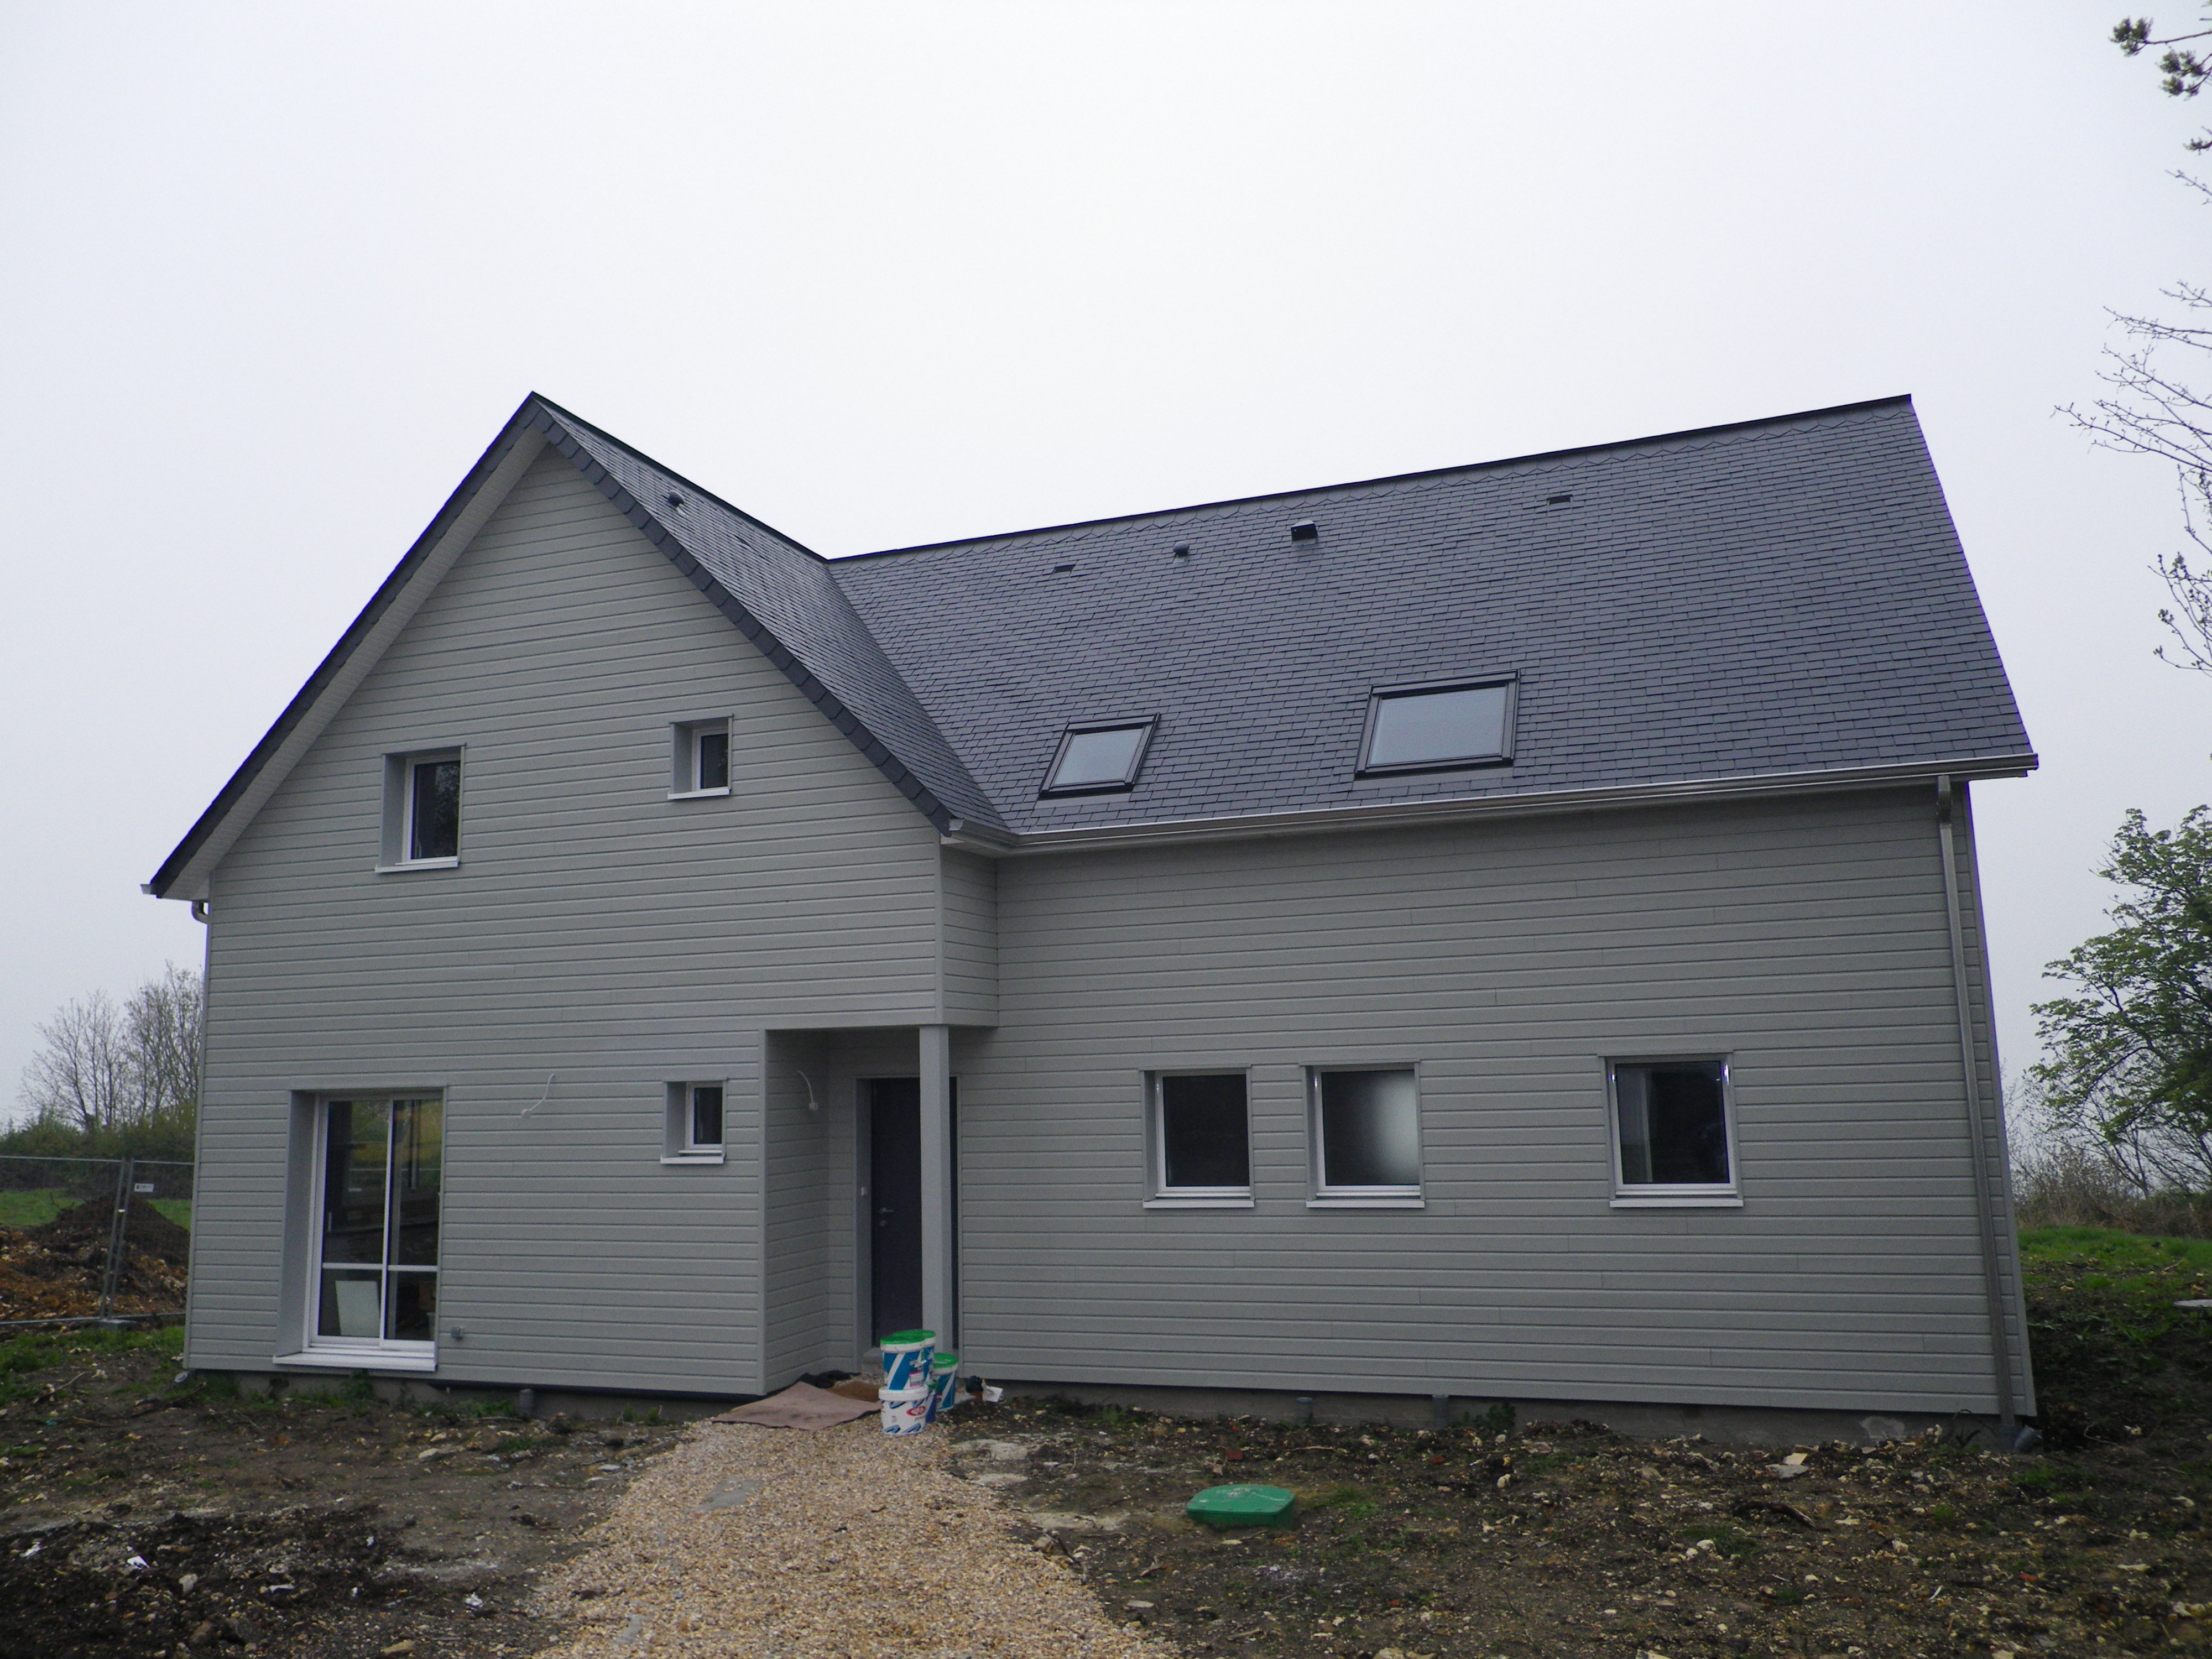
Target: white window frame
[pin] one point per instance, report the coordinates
(677, 1146)
(399, 833)
(684, 771)
(1324, 1196)
(1161, 1196)
(1699, 1195)
(377, 1353)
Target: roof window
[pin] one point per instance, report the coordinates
(1432, 728)
(1093, 759)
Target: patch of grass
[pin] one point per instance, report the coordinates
(178, 1210)
(1497, 1420)
(1347, 1501)
(2126, 1255)
(35, 1207)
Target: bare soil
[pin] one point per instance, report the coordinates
(137, 1518)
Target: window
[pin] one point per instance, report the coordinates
(376, 1256)
(422, 811)
(1094, 759)
(1366, 1137)
(702, 759)
(1672, 1134)
(1432, 728)
(1201, 1140)
(695, 1124)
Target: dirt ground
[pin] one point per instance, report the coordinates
(138, 1517)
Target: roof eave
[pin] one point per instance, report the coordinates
(1383, 815)
(186, 856)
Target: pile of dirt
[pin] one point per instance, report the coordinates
(86, 1226)
(55, 1270)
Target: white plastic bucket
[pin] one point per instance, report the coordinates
(906, 1357)
(905, 1411)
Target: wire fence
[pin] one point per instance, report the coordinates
(93, 1238)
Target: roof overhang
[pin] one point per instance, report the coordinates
(186, 873)
(1400, 814)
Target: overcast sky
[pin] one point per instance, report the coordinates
(271, 276)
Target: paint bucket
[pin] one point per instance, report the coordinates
(907, 1355)
(944, 1385)
(905, 1411)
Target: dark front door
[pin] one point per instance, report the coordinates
(894, 1192)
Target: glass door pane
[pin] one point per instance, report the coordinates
(417, 1160)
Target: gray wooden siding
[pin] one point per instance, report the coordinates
(1806, 939)
(596, 933)
(969, 947)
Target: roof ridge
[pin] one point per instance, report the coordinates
(1864, 406)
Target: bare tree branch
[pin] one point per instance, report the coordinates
(2153, 410)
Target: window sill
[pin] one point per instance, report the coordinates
(697, 794)
(403, 867)
(362, 1359)
(1224, 1202)
(1380, 1202)
(692, 1157)
(1678, 1202)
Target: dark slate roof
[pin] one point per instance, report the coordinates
(787, 601)
(1770, 598)
(1776, 597)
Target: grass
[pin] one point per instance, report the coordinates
(35, 1207)
(2123, 1255)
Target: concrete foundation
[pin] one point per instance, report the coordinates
(1728, 1425)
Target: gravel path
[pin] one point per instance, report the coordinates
(849, 1544)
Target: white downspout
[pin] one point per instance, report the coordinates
(1988, 1180)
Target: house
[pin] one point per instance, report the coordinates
(1509, 932)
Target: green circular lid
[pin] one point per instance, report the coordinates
(909, 1339)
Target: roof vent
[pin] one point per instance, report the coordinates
(1062, 570)
(1183, 549)
(1557, 500)
(673, 499)
(1305, 530)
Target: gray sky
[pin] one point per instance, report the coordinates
(271, 276)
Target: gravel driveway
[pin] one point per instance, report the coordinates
(846, 1544)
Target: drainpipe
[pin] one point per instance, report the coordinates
(1988, 1144)
(938, 1291)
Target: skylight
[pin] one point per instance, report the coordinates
(1429, 728)
(1093, 759)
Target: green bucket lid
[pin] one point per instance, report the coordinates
(1243, 1506)
(946, 1362)
(908, 1339)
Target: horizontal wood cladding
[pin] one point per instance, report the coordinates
(1804, 940)
(596, 933)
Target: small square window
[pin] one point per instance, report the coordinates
(1434, 728)
(422, 811)
(1092, 760)
(1366, 1135)
(696, 1128)
(1201, 1136)
(701, 759)
(1673, 1137)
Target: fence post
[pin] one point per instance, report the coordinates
(119, 1228)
